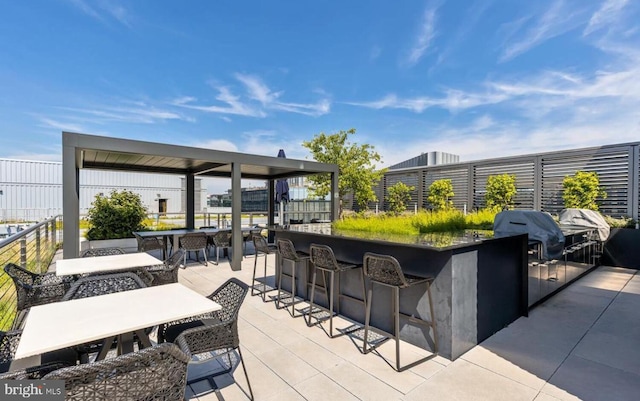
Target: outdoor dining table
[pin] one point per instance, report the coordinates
(59, 325)
(101, 264)
(176, 234)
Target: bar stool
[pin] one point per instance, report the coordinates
(261, 246)
(385, 270)
(288, 252)
(322, 258)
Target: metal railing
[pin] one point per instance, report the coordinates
(33, 249)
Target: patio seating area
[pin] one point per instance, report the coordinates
(580, 344)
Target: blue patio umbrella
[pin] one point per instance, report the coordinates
(282, 191)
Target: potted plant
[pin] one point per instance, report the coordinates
(113, 218)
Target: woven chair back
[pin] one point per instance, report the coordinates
(230, 296)
(193, 241)
(287, 250)
(222, 239)
(260, 244)
(322, 256)
(18, 273)
(102, 252)
(148, 243)
(103, 284)
(8, 344)
(384, 269)
(173, 262)
(155, 373)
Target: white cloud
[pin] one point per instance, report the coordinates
(104, 11)
(233, 105)
(217, 144)
(425, 37)
(453, 100)
(257, 89)
(557, 20)
(607, 14)
(142, 113)
(46, 122)
(259, 100)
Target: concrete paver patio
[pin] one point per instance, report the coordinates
(583, 343)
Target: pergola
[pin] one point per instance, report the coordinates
(81, 151)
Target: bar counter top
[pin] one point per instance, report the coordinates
(434, 241)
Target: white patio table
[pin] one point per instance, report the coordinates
(64, 324)
(99, 264)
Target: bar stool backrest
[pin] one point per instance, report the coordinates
(323, 257)
(260, 243)
(287, 250)
(384, 269)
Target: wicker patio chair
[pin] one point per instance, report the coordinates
(168, 272)
(37, 289)
(33, 372)
(221, 239)
(50, 361)
(146, 244)
(92, 286)
(211, 335)
(194, 242)
(155, 373)
(89, 253)
(102, 284)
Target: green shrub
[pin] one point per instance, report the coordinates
(440, 194)
(622, 222)
(439, 221)
(501, 189)
(451, 220)
(481, 219)
(581, 190)
(115, 216)
(397, 197)
(381, 224)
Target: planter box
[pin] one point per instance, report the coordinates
(129, 245)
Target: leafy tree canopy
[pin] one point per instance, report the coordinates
(398, 195)
(581, 190)
(501, 189)
(356, 163)
(440, 194)
(115, 216)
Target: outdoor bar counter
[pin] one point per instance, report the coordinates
(480, 284)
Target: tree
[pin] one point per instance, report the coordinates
(501, 189)
(397, 196)
(581, 190)
(440, 194)
(115, 216)
(356, 164)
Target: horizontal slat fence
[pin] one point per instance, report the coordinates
(538, 179)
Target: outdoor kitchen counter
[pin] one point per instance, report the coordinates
(480, 284)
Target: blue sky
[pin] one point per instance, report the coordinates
(476, 78)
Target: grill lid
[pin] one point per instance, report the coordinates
(538, 225)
